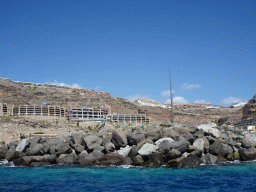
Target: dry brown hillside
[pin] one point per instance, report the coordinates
(14, 93)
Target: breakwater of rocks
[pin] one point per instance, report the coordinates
(183, 146)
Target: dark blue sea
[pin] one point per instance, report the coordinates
(226, 177)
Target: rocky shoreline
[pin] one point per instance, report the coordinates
(175, 147)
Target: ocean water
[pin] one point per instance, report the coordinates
(226, 177)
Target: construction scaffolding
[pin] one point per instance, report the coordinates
(38, 111)
(4, 109)
(128, 118)
(87, 114)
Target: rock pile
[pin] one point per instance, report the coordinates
(153, 147)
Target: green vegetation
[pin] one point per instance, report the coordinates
(77, 93)
(228, 123)
(244, 125)
(89, 127)
(2, 142)
(77, 124)
(96, 126)
(39, 133)
(34, 88)
(120, 99)
(16, 141)
(165, 125)
(117, 126)
(86, 132)
(22, 136)
(29, 88)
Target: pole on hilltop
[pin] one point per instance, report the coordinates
(171, 94)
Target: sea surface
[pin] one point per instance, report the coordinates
(225, 177)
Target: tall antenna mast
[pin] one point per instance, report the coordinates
(171, 94)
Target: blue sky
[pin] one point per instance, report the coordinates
(125, 47)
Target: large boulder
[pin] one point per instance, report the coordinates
(133, 152)
(124, 151)
(166, 132)
(63, 148)
(197, 152)
(67, 158)
(12, 154)
(181, 145)
(34, 140)
(173, 154)
(111, 159)
(233, 156)
(22, 145)
(147, 149)
(135, 137)
(99, 148)
(220, 149)
(164, 147)
(3, 151)
(249, 141)
(50, 158)
(34, 149)
(154, 133)
(209, 159)
(202, 144)
(138, 160)
(78, 138)
(28, 160)
(15, 144)
(89, 159)
(53, 149)
(69, 139)
(46, 148)
(189, 137)
(211, 129)
(181, 129)
(247, 154)
(78, 148)
(232, 143)
(199, 133)
(173, 134)
(109, 147)
(158, 142)
(92, 141)
(52, 142)
(156, 160)
(119, 138)
(174, 163)
(190, 161)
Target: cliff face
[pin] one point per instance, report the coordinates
(249, 110)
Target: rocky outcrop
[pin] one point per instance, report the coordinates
(154, 133)
(182, 145)
(185, 149)
(249, 141)
(92, 141)
(249, 110)
(119, 138)
(67, 159)
(147, 149)
(111, 159)
(220, 149)
(247, 154)
(136, 136)
(22, 145)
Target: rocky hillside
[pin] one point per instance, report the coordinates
(249, 110)
(18, 93)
